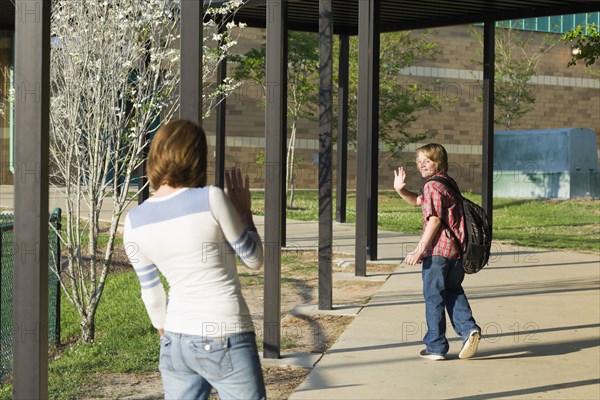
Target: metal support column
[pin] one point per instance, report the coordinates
(367, 136)
(342, 128)
(273, 122)
(221, 118)
(325, 153)
(489, 57)
(32, 126)
(373, 137)
(284, 127)
(190, 87)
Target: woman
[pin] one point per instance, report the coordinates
(191, 234)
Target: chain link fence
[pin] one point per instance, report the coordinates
(6, 288)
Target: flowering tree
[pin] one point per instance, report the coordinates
(6, 93)
(114, 74)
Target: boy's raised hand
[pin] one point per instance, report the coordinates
(399, 179)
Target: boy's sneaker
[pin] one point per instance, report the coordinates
(470, 345)
(431, 356)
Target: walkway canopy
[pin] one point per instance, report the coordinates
(30, 19)
(399, 15)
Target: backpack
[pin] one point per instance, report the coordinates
(478, 235)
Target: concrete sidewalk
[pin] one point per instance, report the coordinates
(539, 311)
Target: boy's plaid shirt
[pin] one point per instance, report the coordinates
(437, 201)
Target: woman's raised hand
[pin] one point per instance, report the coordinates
(238, 190)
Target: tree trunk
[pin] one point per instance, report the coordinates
(88, 329)
(291, 164)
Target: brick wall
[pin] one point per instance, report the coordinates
(566, 97)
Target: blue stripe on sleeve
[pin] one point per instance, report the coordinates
(242, 238)
(151, 284)
(245, 246)
(145, 269)
(147, 275)
(251, 251)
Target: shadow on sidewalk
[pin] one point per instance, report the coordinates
(532, 390)
(534, 264)
(533, 349)
(404, 298)
(529, 350)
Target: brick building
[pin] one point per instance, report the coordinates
(566, 97)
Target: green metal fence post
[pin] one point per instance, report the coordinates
(1, 270)
(57, 224)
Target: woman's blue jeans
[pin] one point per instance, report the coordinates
(190, 365)
(442, 289)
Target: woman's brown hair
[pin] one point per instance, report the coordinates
(177, 155)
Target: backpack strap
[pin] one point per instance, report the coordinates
(456, 192)
(448, 184)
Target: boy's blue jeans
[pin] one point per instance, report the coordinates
(442, 289)
(191, 365)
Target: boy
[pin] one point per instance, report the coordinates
(439, 253)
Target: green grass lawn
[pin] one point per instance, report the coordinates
(550, 224)
(125, 341)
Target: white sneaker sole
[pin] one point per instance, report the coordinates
(470, 347)
(432, 357)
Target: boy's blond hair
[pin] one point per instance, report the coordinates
(436, 153)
